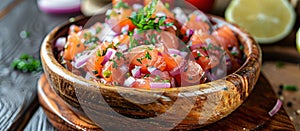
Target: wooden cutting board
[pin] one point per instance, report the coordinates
(253, 114)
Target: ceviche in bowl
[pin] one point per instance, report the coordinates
(151, 64)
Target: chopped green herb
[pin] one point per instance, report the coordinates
(147, 75)
(119, 55)
(234, 53)
(95, 72)
(98, 30)
(115, 64)
(167, 81)
(139, 60)
(279, 64)
(241, 47)
(290, 87)
(148, 56)
(26, 63)
(167, 5)
(157, 78)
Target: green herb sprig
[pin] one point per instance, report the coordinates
(26, 63)
(143, 19)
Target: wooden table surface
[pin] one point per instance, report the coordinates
(19, 108)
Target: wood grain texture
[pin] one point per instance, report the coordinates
(251, 115)
(17, 89)
(39, 122)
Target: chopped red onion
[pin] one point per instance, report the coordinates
(275, 108)
(160, 85)
(129, 81)
(110, 53)
(60, 43)
(189, 32)
(136, 72)
(183, 54)
(173, 51)
(81, 60)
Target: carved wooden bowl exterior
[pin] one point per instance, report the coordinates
(204, 103)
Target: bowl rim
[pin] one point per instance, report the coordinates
(47, 56)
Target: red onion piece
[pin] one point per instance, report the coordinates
(110, 53)
(136, 72)
(189, 32)
(129, 81)
(59, 6)
(173, 51)
(275, 108)
(60, 43)
(160, 85)
(125, 29)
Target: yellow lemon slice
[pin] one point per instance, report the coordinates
(267, 21)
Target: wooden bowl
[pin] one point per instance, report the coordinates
(117, 108)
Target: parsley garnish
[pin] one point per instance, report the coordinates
(143, 19)
(148, 56)
(119, 55)
(115, 64)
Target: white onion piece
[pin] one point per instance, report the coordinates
(110, 53)
(151, 69)
(129, 81)
(59, 6)
(160, 14)
(125, 29)
(160, 85)
(60, 43)
(275, 108)
(122, 47)
(136, 72)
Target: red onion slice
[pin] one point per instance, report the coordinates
(173, 51)
(136, 72)
(275, 108)
(160, 85)
(59, 6)
(60, 43)
(110, 53)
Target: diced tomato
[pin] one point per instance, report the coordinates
(73, 46)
